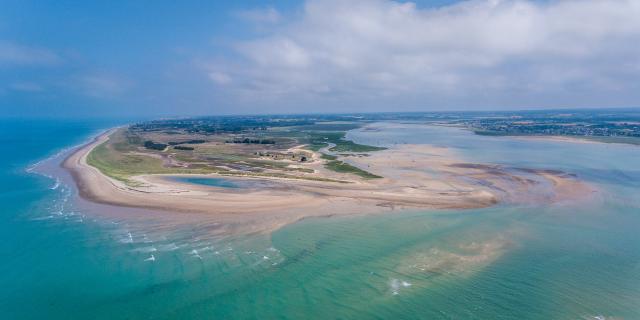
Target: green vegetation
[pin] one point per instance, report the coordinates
(122, 166)
(343, 167)
(252, 141)
(154, 146)
(590, 124)
(316, 146)
(319, 140)
(350, 146)
(194, 141)
(119, 159)
(328, 157)
(221, 125)
(244, 146)
(260, 145)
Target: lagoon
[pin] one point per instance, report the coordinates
(211, 182)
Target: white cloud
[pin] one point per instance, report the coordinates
(12, 54)
(505, 51)
(220, 77)
(266, 15)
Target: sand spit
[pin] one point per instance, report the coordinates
(416, 176)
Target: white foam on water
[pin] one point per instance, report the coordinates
(145, 249)
(194, 253)
(168, 247)
(32, 168)
(56, 184)
(145, 239)
(128, 239)
(601, 317)
(396, 285)
(42, 218)
(152, 258)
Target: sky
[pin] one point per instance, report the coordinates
(166, 58)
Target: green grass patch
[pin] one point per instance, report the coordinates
(343, 167)
(113, 159)
(317, 140)
(328, 157)
(350, 146)
(124, 155)
(316, 146)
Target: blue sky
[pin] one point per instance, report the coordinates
(154, 58)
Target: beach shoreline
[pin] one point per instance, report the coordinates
(456, 185)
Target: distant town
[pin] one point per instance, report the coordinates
(586, 123)
(606, 125)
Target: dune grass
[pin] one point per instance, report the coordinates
(114, 158)
(328, 157)
(343, 167)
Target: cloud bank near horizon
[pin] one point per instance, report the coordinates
(472, 53)
(318, 56)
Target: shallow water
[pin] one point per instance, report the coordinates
(223, 182)
(211, 182)
(562, 261)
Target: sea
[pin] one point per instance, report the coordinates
(563, 260)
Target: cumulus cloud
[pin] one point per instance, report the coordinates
(502, 51)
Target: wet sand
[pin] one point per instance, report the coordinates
(415, 177)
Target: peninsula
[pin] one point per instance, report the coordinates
(291, 167)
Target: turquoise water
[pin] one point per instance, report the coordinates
(224, 183)
(561, 261)
(211, 182)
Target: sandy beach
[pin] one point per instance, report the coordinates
(415, 176)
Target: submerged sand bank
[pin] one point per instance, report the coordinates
(415, 176)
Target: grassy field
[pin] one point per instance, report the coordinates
(343, 167)
(319, 140)
(116, 159)
(350, 146)
(328, 156)
(131, 152)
